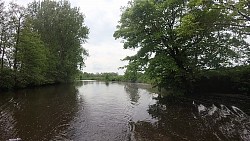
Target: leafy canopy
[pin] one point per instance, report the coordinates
(178, 38)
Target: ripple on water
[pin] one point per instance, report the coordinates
(92, 110)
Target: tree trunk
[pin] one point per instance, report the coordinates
(16, 49)
(3, 50)
(2, 58)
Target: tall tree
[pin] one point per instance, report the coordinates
(40, 44)
(2, 31)
(17, 14)
(178, 38)
(63, 31)
(31, 57)
(240, 13)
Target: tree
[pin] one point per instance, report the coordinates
(63, 31)
(131, 73)
(17, 14)
(2, 32)
(177, 39)
(7, 32)
(239, 10)
(40, 44)
(32, 57)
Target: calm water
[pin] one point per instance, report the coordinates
(99, 111)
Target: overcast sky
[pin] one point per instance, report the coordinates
(102, 17)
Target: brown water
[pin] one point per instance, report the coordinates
(90, 110)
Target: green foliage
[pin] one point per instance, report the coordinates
(32, 58)
(7, 79)
(40, 44)
(131, 73)
(177, 39)
(226, 80)
(111, 76)
(63, 31)
(100, 76)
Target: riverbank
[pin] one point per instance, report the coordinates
(227, 81)
(231, 80)
(3, 90)
(238, 100)
(234, 80)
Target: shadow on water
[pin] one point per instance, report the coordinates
(185, 119)
(37, 114)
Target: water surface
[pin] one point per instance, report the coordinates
(102, 111)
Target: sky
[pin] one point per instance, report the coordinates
(101, 17)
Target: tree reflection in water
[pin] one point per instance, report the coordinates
(91, 110)
(183, 119)
(133, 91)
(38, 114)
(107, 83)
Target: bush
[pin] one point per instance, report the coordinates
(226, 80)
(7, 79)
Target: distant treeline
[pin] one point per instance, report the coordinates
(40, 43)
(100, 76)
(112, 76)
(233, 80)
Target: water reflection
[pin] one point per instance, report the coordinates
(230, 123)
(78, 84)
(84, 82)
(133, 91)
(183, 119)
(37, 114)
(107, 83)
(93, 110)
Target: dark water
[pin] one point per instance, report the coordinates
(99, 111)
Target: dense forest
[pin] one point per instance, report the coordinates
(41, 43)
(188, 46)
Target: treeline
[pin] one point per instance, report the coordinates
(40, 43)
(111, 76)
(188, 46)
(230, 80)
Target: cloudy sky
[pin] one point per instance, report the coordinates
(102, 17)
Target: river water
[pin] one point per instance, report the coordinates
(109, 111)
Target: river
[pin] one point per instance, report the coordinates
(110, 111)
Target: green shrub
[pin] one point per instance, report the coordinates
(226, 80)
(7, 79)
